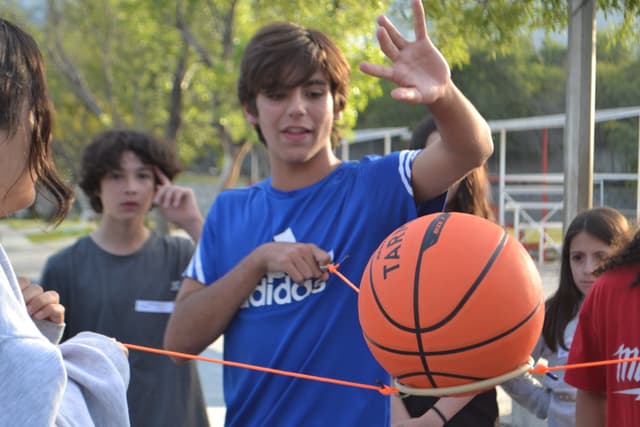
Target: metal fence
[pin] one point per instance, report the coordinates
(528, 203)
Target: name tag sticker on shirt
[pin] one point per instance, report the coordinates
(175, 286)
(149, 306)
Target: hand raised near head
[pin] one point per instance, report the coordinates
(178, 205)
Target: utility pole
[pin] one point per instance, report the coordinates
(580, 109)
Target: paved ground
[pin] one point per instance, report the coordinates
(28, 260)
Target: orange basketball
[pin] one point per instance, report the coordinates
(450, 299)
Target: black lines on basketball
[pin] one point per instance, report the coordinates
(468, 294)
(421, 352)
(432, 301)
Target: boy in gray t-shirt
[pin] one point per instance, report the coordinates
(122, 279)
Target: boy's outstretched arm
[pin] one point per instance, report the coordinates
(424, 77)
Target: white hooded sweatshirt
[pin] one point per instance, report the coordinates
(82, 382)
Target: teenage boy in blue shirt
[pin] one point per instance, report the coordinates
(257, 274)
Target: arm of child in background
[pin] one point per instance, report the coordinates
(448, 406)
(178, 205)
(590, 409)
(527, 391)
(44, 308)
(424, 77)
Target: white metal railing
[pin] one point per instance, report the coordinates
(527, 215)
(501, 127)
(537, 216)
(521, 211)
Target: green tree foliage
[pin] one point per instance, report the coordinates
(526, 81)
(618, 85)
(457, 26)
(170, 66)
(531, 81)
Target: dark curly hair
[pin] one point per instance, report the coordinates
(473, 195)
(627, 254)
(104, 154)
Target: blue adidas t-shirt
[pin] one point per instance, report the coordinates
(310, 328)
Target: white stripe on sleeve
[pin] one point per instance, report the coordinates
(404, 167)
(195, 266)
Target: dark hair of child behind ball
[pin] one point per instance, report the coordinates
(625, 255)
(473, 193)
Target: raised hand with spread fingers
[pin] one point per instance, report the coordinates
(418, 68)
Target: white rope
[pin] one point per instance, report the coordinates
(464, 388)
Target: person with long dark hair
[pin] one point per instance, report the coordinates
(589, 239)
(82, 382)
(608, 329)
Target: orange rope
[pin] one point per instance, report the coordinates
(383, 389)
(538, 369)
(333, 268)
(541, 369)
